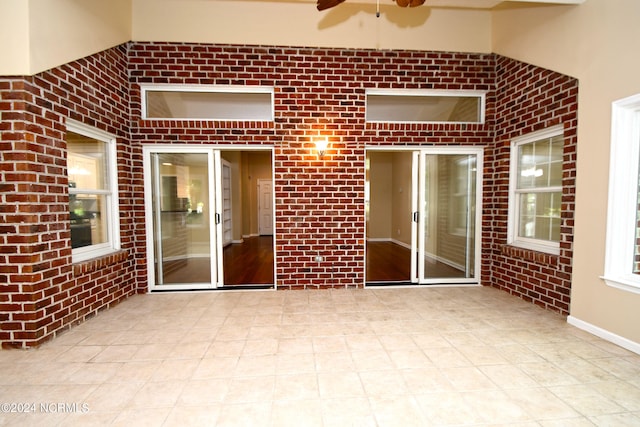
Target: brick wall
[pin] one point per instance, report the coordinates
(41, 291)
(319, 202)
(318, 93)
(529, 99)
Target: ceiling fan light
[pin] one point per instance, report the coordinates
(403, 3)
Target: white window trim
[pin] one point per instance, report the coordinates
(144, 88)
(482, 95)
(552, 248)
(112, 200)
(623, 197)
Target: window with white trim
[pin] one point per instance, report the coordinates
(424, 106)
(622, 269)
(205, 102)
(535, 196)
(93, 191)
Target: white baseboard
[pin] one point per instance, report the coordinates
(604, 334)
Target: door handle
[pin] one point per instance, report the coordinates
(415, 216)
(217, 218)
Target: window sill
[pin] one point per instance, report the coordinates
(95, 264)
(530, 255)
(620, 282)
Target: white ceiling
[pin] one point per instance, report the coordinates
(473, 4)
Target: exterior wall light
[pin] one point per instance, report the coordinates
(321, 147)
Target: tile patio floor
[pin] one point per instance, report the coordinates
(376, 357)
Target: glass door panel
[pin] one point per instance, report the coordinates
(448, 237)
(422, 225)
(182, 216)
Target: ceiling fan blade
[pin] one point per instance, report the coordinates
(327, 4)
(409, 3)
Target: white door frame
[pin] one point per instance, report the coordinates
(419, 219)
(215, 197)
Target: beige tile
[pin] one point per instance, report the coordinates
(295, 363)
(297, 387)
(468, 379)
(173, 369)
(447, 357)
(295, 345)
(158, 394)
(447, 408)
(541, 404)
(587, 401)
(111, 397)
(248, 366)
(380, 384)
(397, 411)
(116, 353)
(623, 393)
(259, 347)
(426, 380)
(135, 372)
(204, 392)
(298, 413)
(372, 360)
(225, 348)
(354, 411)
(193, 416)
(617, 420)
(256, 414)
(344, 384)
(384, 357)
(507, 376)
(334, 362)
(253, 389)
(221, 367)
(329, 344)
(142, 417)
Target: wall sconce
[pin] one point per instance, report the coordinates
(321, 146)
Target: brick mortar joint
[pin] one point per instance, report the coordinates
(95, 264)
(530, 255)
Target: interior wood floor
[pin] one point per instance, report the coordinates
(390, 262)
(246, 263)
(249, 262)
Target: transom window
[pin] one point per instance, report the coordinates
(425, 106)
(93, 207)
(201, 102)
(536, 190)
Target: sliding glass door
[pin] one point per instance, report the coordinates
(184, 218)
(421, 213)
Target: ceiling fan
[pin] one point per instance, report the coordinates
(327, 4)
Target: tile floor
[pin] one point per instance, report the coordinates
(374, 357)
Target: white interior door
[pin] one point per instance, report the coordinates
(265, 207)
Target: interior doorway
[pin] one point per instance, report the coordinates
(422, 224)
(202, 218)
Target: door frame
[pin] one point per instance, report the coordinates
(418, 198)
(215, 195)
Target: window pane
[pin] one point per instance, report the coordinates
(88, 219)
(86, 162)
(212, 105)
(423, 108)
(540, 216)
(540, 163)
